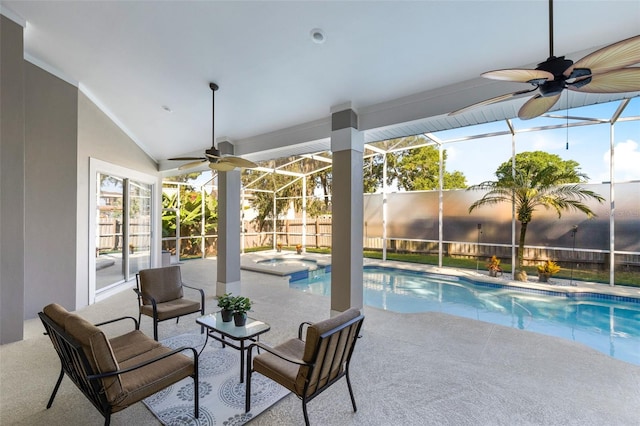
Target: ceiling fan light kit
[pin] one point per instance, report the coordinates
(217, 161)
(607, 70)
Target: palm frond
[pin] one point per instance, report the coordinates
(483, 186)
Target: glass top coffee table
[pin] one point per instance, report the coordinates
(219, 330)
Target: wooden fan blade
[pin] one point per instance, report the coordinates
(192, 164)
(240, 162)
(492, 101)
(187, 158)
(616, 81)
(222, 166)
(537, 106)
(617, 55)
(518, 75)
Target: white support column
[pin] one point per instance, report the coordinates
(304, 213)
(243, 234)
(612, 211)
(275, 221)
(203, 221)
(347, 146)
(384, 207)
(514, 251)
(229, 186)
(440, 202)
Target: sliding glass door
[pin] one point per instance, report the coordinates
(123, 229)
(109, 236)
(139, 236)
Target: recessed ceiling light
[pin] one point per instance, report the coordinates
(166, 108)
(317, 35)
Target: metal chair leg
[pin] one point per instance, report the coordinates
(353, 400)
(304, 411)
(55, 389)
(155, 329)
(196, 392)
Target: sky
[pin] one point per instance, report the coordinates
(478, 159)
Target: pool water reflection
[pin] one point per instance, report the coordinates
(607, 325)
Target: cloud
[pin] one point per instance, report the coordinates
(626, 161)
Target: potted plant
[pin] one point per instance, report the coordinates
(299, 248)
(241, 305)
(546, 270)
(494, 266)
(225, 303)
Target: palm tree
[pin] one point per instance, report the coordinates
(540, 180)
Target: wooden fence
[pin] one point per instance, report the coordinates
(110, 235)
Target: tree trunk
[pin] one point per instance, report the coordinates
(519, 273)
(523, 233)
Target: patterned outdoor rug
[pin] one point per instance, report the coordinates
(221, 393)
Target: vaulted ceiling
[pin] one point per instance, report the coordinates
(402, 65)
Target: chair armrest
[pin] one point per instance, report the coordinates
(201, 293)
(142, 364)
(193, 288)
(277, 353)
(135, 322)
(153, 301)
(301, 327)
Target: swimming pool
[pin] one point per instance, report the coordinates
(606, 323)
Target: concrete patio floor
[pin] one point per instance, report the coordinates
(409, 369)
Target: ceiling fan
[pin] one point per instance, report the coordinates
(217, 161)
(603, 71)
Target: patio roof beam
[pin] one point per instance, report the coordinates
(570, 117)
(278, 171)
(405, 148)
(317, 158)
(321, 169)
(375, 149)
(288, 184)
(621, 107)
(248, 185)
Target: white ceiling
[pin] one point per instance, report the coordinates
(401, 64)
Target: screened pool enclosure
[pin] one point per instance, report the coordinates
(287, 202)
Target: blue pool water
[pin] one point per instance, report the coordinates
(607, 325)
(311, 264)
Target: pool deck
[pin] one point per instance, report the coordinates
(419, 369)
(251, 262)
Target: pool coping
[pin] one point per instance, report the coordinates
(249, 261)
